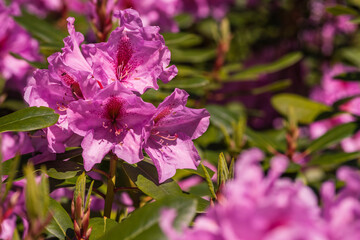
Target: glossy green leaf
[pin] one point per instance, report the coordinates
(272, 87)
(143, 224)
(332, 136)
(341, 10)
(146, 179)
(180, 173)
(13, 104)
(305, 110)
(186, 83)
(351, 54)
(182, 39)
(263, 141)
(28, 119)
(192, 55)
(61, 225)
(144, 175)
(57, 169)
(254, 72)
(349, 76)
(31, 63)
(41, 29)
(100, 226)
(222, 117)
(63, 170)
(328, 159)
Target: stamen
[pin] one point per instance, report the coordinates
(61, 107)
(163, 137)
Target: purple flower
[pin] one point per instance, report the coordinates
(330, 91)
(112, 121)
(257, 207)
(341, 211)
(15, 39)
(43, 7)
(68, 79)
(323, 27)
(11, 207)
(134, 55)
(15, 143)
(152, 12)
(168, 137)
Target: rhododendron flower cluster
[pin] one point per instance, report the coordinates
(14, 39)
(330, 91)
(255, 206)
(95, 88)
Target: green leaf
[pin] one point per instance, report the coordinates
(143, 224)
(144, 175)
(305, 110)
(232, 168)
(80, 187)
(61, 225)
(63, 170)
(272, 87)
(56, 170)
(185, 83)
(28, 119)
(182, 39)
(328, 159)
(11, 176)
(36, 195)
(100, 226)
(88, 196)
(34, 64)
(13, 105)
(209, 182)
(352, 55)
(223, 170)
(146, 179)
(192, 55)
(180, 173)
(341, 10)
(263, 141)
(222, 117)
(349, 76)
(332, 136)
(254, 72)
(41, 29)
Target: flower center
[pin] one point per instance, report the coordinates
(123, 57)
(113, 112)
(163, 137)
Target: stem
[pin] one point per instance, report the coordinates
(110, 186)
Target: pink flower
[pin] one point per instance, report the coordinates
(330, 91)
(68, 79)
(111, 121)
(15, 39)
(134, 55)
(168, 137)
(257, 207)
